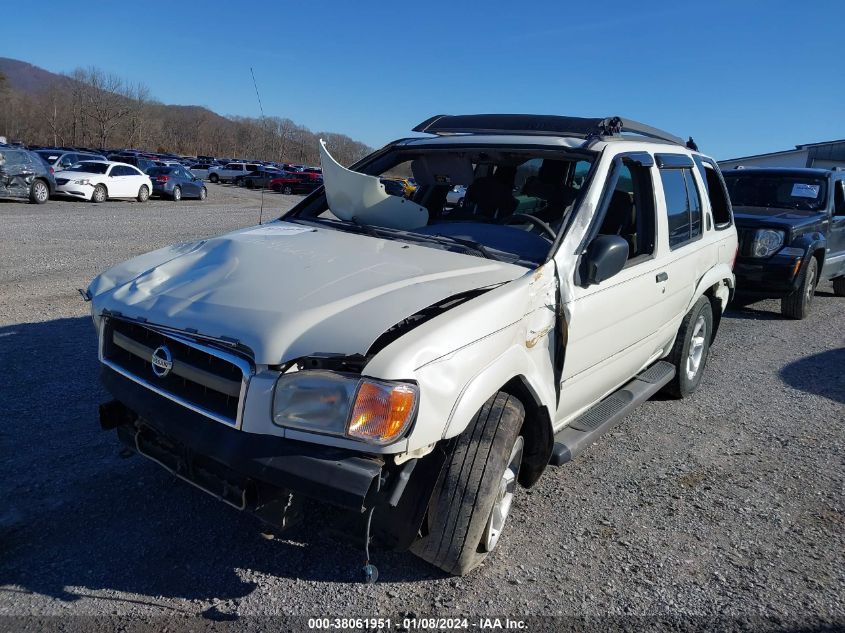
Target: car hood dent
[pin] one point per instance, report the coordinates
(286, 290)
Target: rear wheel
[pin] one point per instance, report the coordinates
(177, 193)
(214, 178)
(100, 194)
(691, 350)
(39, 192)
(203, 193)
(471, 503)
(143, 193)
(839, 286)
(796, 305)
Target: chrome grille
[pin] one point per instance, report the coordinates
(203, 378)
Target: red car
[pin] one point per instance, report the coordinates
(296, 182)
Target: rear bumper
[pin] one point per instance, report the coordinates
(776, 276)
(336, 476)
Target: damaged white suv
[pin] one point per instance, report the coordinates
(411, 361)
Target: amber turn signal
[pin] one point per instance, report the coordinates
(382, 412)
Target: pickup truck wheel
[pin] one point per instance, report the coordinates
(472, 500)
(691, 349)
(796, 305)
(839, 286)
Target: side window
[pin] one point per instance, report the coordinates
(718, 197)
(839, 198)
(629, 210)
(694, 204)
(683, 205)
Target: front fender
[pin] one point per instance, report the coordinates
(515, 362)
(810, 243)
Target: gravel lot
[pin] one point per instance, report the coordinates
(727, 504)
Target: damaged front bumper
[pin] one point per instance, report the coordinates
(264, 474)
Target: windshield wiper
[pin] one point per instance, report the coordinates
(475, 246)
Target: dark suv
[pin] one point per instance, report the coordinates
(24, 175)
(791, 225)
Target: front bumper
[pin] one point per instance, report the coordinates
(337, 476)
(775, 276)
(77, 191)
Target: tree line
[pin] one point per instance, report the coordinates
(93, 108)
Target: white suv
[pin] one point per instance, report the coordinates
(378, 352)
(231, 171)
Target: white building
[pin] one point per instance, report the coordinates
(825, 155)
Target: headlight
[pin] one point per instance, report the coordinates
(766, 242)
(374, 411)
(83, 181)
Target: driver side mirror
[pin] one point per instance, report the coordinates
(606, 256)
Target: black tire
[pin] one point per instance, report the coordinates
(249, 184)
(214, 178)
(203, 193)
(39, 192)
(693, 341)
(143, 194)
(796, 305)
(460, 509)
(177, 193)
(839, 286)
(100, 194)
(287, 190)
(460, 204)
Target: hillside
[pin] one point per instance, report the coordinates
(92, 108)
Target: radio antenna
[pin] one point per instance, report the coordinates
(261, 109)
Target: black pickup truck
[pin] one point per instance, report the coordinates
(791, 226)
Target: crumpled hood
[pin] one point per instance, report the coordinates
(286, 290)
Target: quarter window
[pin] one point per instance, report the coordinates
(683, 205)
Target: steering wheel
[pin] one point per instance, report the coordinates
(521, 218)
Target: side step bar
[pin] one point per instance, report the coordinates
(573, 439)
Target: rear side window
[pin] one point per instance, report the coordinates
(683, 206)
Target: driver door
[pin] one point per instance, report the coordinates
(617, 326)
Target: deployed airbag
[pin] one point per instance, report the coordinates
(359, 197)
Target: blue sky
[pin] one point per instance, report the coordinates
(742, 77)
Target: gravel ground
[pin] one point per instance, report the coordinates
(727, 504)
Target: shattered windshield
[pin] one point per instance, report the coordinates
(501, 203)
(779, 191)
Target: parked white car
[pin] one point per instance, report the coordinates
(100, 180)
(455, 197)
(370, 351)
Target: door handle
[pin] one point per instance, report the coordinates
(664, 276)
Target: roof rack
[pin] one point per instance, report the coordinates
(540, 125)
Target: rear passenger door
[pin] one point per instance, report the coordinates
(686, 259)
(120, 182)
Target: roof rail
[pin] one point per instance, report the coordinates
(540, 125)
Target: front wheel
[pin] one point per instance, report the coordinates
(177, 193)
(203, 193)
(214, 178)
(471, 503)
(839, 286)
(143, 193)
(796, 305)
(287, 190)
(691, 350)
(39, 193)
(100, 194)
